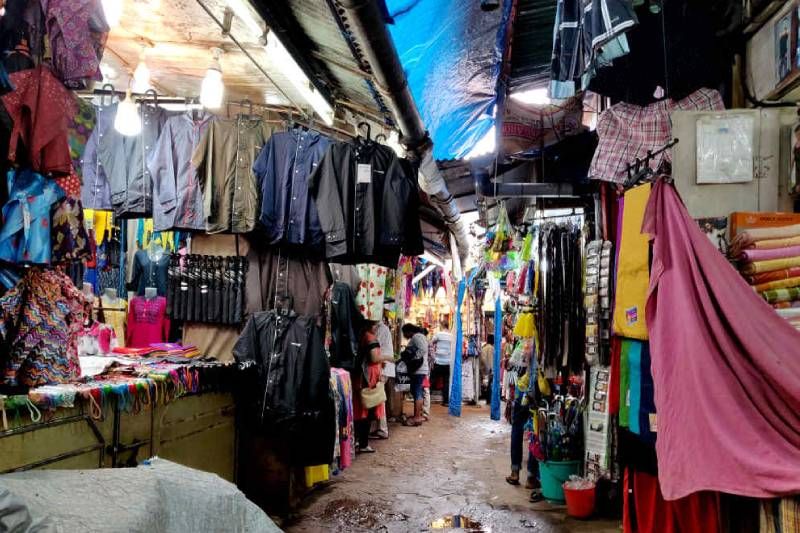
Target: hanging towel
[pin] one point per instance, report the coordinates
(726, 368)
(632, 268)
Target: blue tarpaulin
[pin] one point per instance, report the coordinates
(452, 53)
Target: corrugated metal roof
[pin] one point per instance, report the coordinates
(316, 30)
(532, 44)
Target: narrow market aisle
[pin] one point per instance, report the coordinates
(446, 467)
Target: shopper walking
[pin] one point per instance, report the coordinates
(368, 378)
(442, 346)
(417, 347)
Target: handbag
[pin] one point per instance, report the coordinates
(413, 358)
(373, 397)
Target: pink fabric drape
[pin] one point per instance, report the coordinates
(726, 368)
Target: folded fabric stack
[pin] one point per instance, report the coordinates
(769, 259)
(159, 351)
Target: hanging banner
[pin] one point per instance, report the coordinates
(527, 129)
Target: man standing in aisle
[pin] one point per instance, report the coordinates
(442, 347)
(384, 335)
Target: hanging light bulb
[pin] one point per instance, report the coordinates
(128, 122)
(213, 88)
(141, 76)
(112, 9)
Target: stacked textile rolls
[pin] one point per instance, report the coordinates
(769, 259)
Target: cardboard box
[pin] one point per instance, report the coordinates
(744, 220)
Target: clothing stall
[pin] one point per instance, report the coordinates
(185, 280)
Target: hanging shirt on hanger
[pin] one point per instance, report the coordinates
(363, 198)
(40, 107)
(96, 191)
(77, 32)
(124, 160)
(288, 214)
(80, 128)
(25, 234)
(178, 197)
(224, 161)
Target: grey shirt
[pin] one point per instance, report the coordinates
(125, 162)
(95, 190)
(177, 194)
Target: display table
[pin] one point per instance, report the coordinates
(178, 412)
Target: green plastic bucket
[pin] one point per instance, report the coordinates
(553, 474)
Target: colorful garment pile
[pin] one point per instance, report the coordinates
(770, 262)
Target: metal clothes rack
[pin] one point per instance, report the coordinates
(639, 169)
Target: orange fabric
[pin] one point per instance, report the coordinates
(775, 275)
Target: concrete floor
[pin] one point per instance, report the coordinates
(449, 466)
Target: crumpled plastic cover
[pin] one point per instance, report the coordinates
(452, 53)
(161, 497)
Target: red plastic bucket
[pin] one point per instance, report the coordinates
(580, 503)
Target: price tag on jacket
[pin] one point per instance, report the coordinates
(364, 174)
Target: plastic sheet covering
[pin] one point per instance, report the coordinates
(452, 53)
(162, 497)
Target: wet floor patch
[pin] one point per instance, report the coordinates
(350, 513)
(458, 521)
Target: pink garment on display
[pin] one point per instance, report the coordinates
(726, 368)
(147, 322)
(774, 253)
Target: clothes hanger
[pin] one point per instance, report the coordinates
(108, 90)
(368, 127)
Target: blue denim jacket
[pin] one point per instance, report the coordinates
(25, 235)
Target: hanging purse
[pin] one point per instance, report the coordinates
(373, 397)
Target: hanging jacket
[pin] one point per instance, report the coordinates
(124, 160)
(345, 320)
(286, 385)
(224, 162)
(364, 197)
(288, 215)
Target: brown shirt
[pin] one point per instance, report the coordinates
(224, 161)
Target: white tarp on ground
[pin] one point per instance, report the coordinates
(160, 497)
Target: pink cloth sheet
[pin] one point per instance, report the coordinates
(775, 253)
(726, 368)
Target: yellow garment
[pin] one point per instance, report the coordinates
(165, 238)
(525, 327)
(778, 284)
(116, 316)
(771, 264)
(633, 273)
(771, 244)
(316, 474)
(102, 221)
